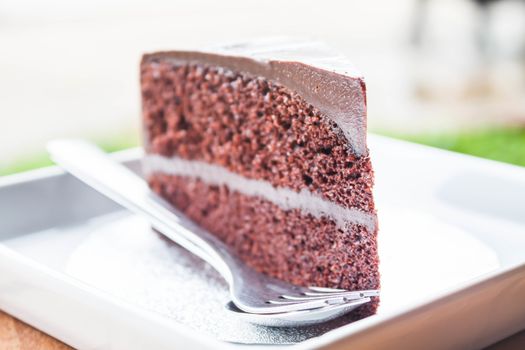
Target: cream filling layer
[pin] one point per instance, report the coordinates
(283, 197)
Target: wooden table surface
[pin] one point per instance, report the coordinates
(16, 335)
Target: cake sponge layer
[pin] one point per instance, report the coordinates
(251, 126)
(286, 244)
(216, 138)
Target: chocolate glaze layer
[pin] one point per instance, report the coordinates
(324, 79)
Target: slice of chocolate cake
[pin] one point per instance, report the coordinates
(264, 145)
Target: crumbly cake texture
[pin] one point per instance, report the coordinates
(217, 137)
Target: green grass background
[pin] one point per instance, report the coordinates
(40, 160)
(505, 144)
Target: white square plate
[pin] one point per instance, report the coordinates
(452, 249)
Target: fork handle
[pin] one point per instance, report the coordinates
(94, 167)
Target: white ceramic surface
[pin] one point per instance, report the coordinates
(452, 229)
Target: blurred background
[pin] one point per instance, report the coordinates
(449, 73)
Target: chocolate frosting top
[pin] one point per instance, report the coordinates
(325, 79)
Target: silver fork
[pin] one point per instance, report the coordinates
(252, 292)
